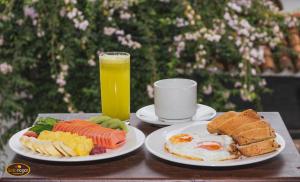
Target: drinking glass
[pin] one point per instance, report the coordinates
(115, 84)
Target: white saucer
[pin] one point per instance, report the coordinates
(147, 114)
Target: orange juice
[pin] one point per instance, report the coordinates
(115, 84)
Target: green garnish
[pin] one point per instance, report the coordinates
(43, 124)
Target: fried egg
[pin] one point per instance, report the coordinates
(207, 147)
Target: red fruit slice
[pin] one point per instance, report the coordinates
(31, 134)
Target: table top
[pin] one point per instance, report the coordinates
(140, 165)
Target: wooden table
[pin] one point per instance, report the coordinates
(142, 166)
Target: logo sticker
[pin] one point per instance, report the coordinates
(18, 169)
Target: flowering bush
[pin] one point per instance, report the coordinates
(48, 50)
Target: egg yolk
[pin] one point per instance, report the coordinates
(210, 145)
(181, 138)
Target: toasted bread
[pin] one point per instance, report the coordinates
(250, 113)
(213, 126)
(254, 135)
(249, 126)
(247, 116)
(259, 148)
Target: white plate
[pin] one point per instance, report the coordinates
(147, 114)
(134, 139)
(156, 140)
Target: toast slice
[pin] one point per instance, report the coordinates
(249, 126)
(259, 148)
(213, 126)
(254, 135)
(247, 116)
(250, 113)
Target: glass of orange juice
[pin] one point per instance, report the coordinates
(115, 84)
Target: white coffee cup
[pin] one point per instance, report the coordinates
(175, 99)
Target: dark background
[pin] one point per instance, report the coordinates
(285, 98)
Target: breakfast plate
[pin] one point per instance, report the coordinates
(155, 144)
(147, 114)
(134, 139)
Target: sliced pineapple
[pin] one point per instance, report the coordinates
(72, 144)
(51, 150)
(68, 150)
(58, 147)
(58, 144)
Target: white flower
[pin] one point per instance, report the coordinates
(244, 3)
(5, 68)
(238, 42)
(30, 12)
(71, 109)
(229, 105)
(261, 53)
(83, 25)
(66, 99)
(254, 53)
(244, 95)
(235, 7)
(212, 37)
(180, 22)
(181, 45)
(137, 45)
(125, 15)
(190, 36)
(61, 82)
(253, 71)
(227, 16)
(245, 24)
(109, 31)
(128, 36)
(202, 30)
(119, 32)
(291, 21)
(91, 62)
(251, 88)
(61, 90)
(62, 12)
(64, 67)
(20, 22)
(237, 84)
(34, 22)
(276, 29)
(178, 38)
(150, 91)
(61, 47)
(244, 32)
(72, 13)
(207, 90)
(262, 83)
(40, 33)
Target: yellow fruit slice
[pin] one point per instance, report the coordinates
(58, 147)
(67, 150)
(48, 146)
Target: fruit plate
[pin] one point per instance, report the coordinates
(134, 139)
(156, 140)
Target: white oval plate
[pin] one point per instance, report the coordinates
(156, 140)
(147, 114)
(134, 139)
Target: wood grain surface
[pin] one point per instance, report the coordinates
(140, 165)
